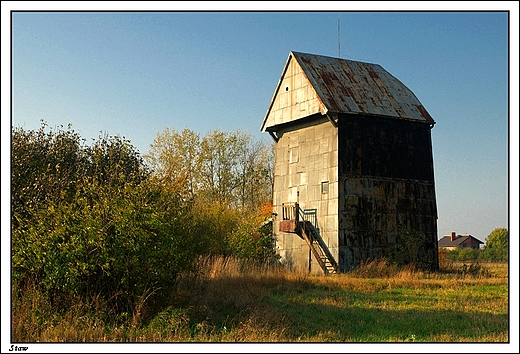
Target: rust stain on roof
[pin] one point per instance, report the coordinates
(346, 86)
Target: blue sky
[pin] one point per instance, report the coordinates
(133, 74)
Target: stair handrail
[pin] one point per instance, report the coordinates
(310, 215)
(314, 233)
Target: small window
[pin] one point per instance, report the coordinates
(325, 187)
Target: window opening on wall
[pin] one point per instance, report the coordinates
(325, 187)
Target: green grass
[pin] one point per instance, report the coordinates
(425, 313)
(227, 302)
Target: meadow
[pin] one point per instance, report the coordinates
(228, 300)
(108, 246)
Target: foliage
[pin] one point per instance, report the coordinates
(97, 222)
(97, 233)
(496, 249)
(464, 254)
(175, 160)
(226, 168)
(85, 224)
(251, 242)
(411, 248)
(452, 255)
(227, 177)
(44, 166)
(497, 245)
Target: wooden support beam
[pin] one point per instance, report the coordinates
(273, 135)
(331, 119)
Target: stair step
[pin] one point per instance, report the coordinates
(319, 249)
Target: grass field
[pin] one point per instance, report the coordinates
(228, 301)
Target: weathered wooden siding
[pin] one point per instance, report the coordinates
(386, 182)
(294, 98)
(307, 155)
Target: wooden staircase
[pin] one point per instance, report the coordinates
(304, 224)
(318, 247)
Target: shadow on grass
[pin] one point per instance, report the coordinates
(335, 316)
(310, 309)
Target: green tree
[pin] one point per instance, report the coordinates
(114, 161)
(228, 176)
(230, 168)
(91, 222)
(468, 254)
(175, 159)
(45, 165)
(497, 245)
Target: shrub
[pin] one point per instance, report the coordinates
(90, 221)
(468, 254)
(93, 222)
(411, 248)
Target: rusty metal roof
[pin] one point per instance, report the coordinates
(353, 87)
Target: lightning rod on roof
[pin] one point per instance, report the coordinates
(339, 47)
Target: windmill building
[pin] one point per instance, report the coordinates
(353, 164)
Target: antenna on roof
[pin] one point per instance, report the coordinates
(339, 47)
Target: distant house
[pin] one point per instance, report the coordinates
(454, 241)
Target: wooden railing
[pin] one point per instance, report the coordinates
(294, 212)
(289, 211)
(310, 215)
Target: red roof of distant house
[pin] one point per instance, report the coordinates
(451, 241)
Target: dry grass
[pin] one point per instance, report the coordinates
(228, 300)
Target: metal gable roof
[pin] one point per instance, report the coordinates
(353, 87)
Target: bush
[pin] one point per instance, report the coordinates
(463, 255)
(452, 255)
(468, 254)
(90, 222)
(411, 248)
(44, 166)
(253, 242)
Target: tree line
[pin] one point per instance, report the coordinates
(102, 221)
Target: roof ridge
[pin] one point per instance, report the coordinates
(336, 58)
